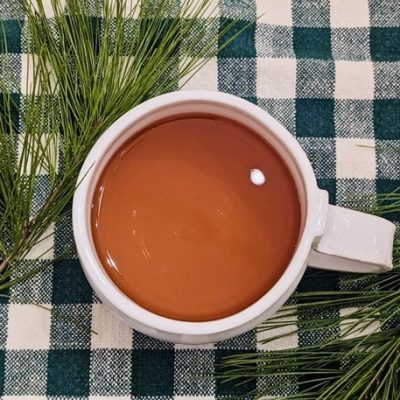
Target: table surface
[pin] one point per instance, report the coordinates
(329, 71)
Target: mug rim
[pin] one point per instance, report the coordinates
(126, 307)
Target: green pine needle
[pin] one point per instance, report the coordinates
(92, 63)
(362, 363)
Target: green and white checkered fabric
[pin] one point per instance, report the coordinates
(327, 70)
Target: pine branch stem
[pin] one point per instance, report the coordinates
(28, 229)
(6, 261)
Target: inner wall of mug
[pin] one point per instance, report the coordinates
(189, 107)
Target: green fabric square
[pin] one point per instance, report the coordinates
(68, 373)
(141, 342)
(245, 341)
(322, 154)
(388, 159)
(70, 326)
(110, 372)
(243, 45)
(274, 41)
(152, 372)
(64, 244)
(389, 323)
(278, 385)
(5, 299)
(384, 12)
(203, 41)
(2, 370)
(192, 369)
(387, 118)
(11, 9)
(350, 191)
(312, 42)
(315, 118)
(238, 9)
(315, 79)
(231, 388)
(350, 44)
(3, 327)
(70, 284)
(237, 76)
(41, 105)
(317, 336)
(10, 69)
(26, 373)
(330, 186)
(315, 280)
(388, 186)
(36, 289)
(387, 80)
(13, 104)
(12, 38)
(318, 280)
(40, 194)
(385, 44)
(354, 118)
(167, 81)
(164, 26)
(307, 383)
(311, 13)
(92, 24)
(283, 110)
(251, 99)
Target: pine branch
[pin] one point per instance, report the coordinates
(91, 64)
(362, 363)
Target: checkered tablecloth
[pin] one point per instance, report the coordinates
(329, 71)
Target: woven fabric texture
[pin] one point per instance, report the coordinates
(329, 71)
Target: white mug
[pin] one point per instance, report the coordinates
(331, 237)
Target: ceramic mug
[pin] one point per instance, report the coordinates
(331, 237)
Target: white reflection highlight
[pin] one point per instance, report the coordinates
(110, 261)
(257, 177)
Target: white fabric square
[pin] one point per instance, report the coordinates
(205, 79)
(275, 12)
(349, 13)
(366, 327)
(354, 80)
(44, 249)
(28, 327)
(48, 8)
(27, 74)
(50, 142)
(29, 64)
(212, 10)
(289, 341)
(276, 78)
(112, 332)
(355, 158)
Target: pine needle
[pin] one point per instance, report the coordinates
(362, 362)
(91, 63)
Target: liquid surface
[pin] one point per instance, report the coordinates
(195, 218)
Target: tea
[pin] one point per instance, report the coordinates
(196, 217)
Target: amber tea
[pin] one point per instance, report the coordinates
(196, 217)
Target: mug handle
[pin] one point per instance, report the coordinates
(354, 242)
